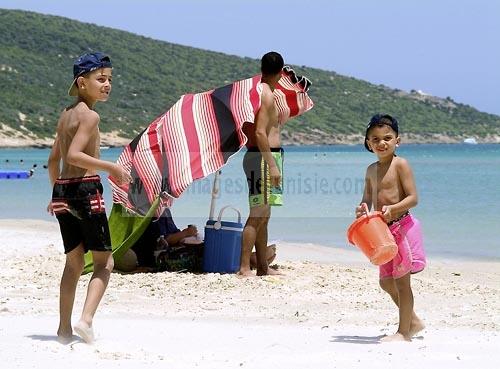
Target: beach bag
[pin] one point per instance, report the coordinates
(181, 258)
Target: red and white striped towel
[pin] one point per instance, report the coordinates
(197, 136)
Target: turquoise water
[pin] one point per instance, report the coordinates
(458, 187)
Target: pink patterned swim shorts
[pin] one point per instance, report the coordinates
(411, 254)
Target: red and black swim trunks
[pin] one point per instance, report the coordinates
(79, 208)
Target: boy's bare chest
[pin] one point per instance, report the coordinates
(385, 179)
(386, 188)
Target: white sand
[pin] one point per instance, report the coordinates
(327, 312)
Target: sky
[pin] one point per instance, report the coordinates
(441, 47)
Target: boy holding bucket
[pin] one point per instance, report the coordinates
(390, 188)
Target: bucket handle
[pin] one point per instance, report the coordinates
(229, 207)
(365, 208)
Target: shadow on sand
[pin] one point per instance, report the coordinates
(362, 340)
(46, 338)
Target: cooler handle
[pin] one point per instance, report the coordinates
(229, 207)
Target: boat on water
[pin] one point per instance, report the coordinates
(470, 141)
(16, 174)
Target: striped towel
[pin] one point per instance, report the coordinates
(197, 136)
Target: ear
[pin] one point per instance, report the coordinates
(80, 82)
(398, 141)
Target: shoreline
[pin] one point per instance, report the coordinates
(285, 143)
(294, 245)
(295, 139)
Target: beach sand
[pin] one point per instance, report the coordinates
(326, 312)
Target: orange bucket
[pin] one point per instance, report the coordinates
(371, 235)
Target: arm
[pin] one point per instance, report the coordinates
(177, 237)
(170, 232)
(262, 124)
(77, 157)
(367, 196)
(54, 162)
(54, 168)
(405, 176)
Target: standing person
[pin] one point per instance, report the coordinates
(263, 164)
(77, 200)
(390, 188)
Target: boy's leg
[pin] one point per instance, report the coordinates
(261, 244)
(262, 250)
(256, 218)
(405, 304)
(69, 280)
(103, 265)
(389, 286)
(405, 294)
(269, 256)
(248, 237)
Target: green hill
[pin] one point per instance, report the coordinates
(37, 52)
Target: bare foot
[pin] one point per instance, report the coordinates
(416, 326)
(396, 337)
(272, 271)
(65, 340)
(270, 256)
(85, 331)
(245, 274)
(64, 336)
(271, 253)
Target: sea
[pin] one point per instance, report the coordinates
(458, 187)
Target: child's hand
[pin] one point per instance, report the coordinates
(361, 209)
(50, 210)
(387, 213)
(120, 175)
(275, 175)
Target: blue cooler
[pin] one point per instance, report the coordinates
(222, 250)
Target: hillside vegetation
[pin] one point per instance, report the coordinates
(37, 52)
